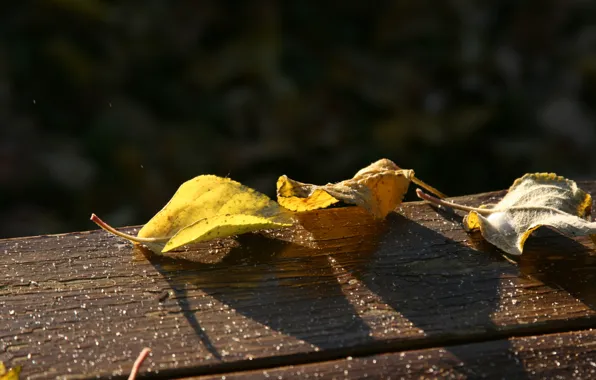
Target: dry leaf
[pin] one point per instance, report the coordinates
(11, 374)
(204, 208)
(379, 188)
(534, 200)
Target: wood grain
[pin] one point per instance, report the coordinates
(84, 304)
(554, 356)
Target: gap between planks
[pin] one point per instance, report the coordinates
(562, 355)
(366, 350)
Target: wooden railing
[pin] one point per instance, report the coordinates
(340, 295)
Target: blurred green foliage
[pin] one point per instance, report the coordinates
(108, 106)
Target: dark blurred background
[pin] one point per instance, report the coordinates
(108, 106)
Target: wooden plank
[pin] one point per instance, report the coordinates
(84, 304)
(555, 356)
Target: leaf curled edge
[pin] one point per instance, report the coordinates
(378, 188)
(298, 196)
(533, 201)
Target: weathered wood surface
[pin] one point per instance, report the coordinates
(85, 304)
(554, 356)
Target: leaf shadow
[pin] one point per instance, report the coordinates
(448, 214)
(169, 268)
(432, 280)
(446, 289)
(275, 283)
(562, 263)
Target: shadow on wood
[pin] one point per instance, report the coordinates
(360, 269)
(277, 283)
(425, 276)
(562, 263)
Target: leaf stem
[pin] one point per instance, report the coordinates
(429, 198)
(95, 219)
(427, 187)
(137, 364)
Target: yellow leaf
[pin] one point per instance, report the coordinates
(11, 374)
(533, 201)
(379, 188)
(219, 226)
(204, 208)
(296, 196)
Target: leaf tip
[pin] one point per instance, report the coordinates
(168, 247)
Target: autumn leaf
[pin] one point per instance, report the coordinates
(11, 374)
(379, 188)
(204, 208)
(534, 200)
